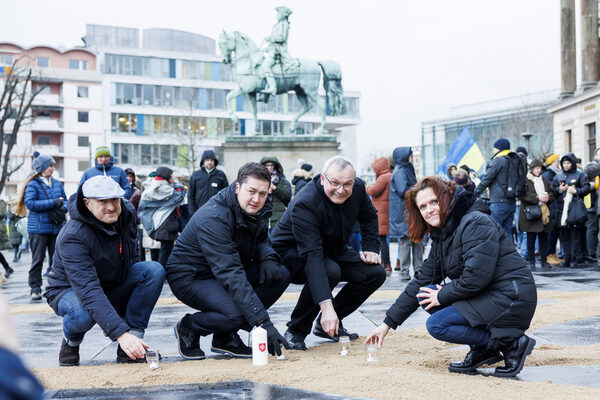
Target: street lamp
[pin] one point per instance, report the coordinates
(527, 136)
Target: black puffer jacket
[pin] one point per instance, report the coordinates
(204, 184)
(496, 178)
(571, 177)
(490, 284)
(218, 243)
(319, 228)
(91, 258)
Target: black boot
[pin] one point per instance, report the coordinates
(9, 272)
(514, 356)
(318, 331)
(231, 344)
(188, 342)
(479, 355)
(68, 355)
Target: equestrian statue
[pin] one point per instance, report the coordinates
(264, 73)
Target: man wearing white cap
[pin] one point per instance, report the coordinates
(97, 276)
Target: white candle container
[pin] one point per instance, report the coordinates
(260, 354)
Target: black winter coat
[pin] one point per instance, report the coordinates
(531, 198)
(91, 258)
(496, 178)
(490, 287)
(571, 177)
(218, 243)
(549, 174)
(320, 228)
(204, 185)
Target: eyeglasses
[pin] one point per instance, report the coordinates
(337, 185)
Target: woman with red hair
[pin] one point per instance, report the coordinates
(474, 283)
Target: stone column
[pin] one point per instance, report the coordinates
(589, 44)
(567, 48)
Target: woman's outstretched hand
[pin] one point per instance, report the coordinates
(376, 337)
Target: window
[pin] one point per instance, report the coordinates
(43, 140)
(6, 59)
(83, 141)
(568, 139)
(43, 62)
(83, 116)
(83, 165)
(591, 139)
(83, 92)
(45, 89)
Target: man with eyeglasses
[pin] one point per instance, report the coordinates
(312, 240)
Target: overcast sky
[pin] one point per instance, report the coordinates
(411, 60)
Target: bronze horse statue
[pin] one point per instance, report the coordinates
(302, 77)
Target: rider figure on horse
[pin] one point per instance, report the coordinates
(276, 51)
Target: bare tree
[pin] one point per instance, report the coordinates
(15, 105)
(189, 133)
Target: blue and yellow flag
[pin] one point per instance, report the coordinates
(464, 150)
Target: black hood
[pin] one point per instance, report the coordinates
(209, 154)
(571, 157)
(464, 203)
(78, 211)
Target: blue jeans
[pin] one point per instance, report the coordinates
(133, 300)
(503, 214)
(448, 325)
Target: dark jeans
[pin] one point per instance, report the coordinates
(39, 242)
(17, 252)
(503, 213)
(139, 238)
(569, 237)
(4, 262)
(592, 234)
(448, 325)
(385, 249)
(134, 300)
(362, 280)
(218, 312)
(166, 247)
(543, 242)
(553, 240)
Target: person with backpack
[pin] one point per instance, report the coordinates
(570, 187)
(506, 177)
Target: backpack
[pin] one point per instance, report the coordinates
(516, 185)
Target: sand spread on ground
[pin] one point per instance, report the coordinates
(411, 365)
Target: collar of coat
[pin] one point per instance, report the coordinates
(501, 153)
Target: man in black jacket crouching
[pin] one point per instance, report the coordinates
(224, 266)
(312, 239)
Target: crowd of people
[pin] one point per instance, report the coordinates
(232, 250)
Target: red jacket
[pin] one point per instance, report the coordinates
(380, 193)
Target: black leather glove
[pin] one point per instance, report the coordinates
(269, 272)
(58, 203)
(274, 339)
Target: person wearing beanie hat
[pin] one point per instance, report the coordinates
(539, 195)
(552, 169)
(45, 199)
(496, 178)
(159, 210)
(301, 176)
(206, 181)
(97, 277)
(105, 166)
(522, 150)
(461, 177)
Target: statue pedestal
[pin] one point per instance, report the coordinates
(315, 150)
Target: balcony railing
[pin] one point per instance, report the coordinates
(47, 125)
(50, 149)
(48, 100)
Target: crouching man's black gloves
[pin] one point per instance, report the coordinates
(274, 339)
(269, 272)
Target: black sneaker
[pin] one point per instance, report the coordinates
(318, 331)
(295, 340)
(188, 343)
(9, 272)
(230, 343)
(36, 294)
(68, 355)
(122, 357)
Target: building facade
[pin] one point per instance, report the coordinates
(66, 116)
(514, 118)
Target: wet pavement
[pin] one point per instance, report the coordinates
(40, 333)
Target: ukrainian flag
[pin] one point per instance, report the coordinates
(464, 150)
